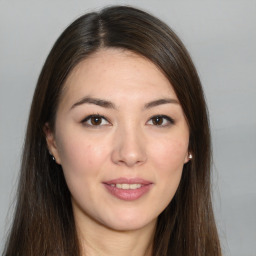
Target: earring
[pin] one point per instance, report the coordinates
(53, 158)
(190, 156)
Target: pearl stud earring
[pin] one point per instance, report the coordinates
(53, 158)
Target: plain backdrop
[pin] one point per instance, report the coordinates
(221, 37)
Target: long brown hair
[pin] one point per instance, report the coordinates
(43, 222)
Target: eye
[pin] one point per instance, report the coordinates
(95, 120)
(160, 120)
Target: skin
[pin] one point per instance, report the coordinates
(126, 142)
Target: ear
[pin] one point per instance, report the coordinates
(188, 157)
(51, 142)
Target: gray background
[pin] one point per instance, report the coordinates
(221, 37)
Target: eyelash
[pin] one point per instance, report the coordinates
(168, 119)
(90, 117)
(164, 118)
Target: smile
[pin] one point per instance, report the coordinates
(126, 186)
(128, 189)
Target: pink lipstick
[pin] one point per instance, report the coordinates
(128, 189)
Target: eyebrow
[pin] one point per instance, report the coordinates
(95, 101)
(160, 102)
(109, 104)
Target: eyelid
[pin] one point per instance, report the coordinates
(87, 118)
(168, 118)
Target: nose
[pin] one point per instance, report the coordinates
(129, 148)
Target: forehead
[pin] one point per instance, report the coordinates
(114, 72)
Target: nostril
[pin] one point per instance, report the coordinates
(129, 156)
(129, 147)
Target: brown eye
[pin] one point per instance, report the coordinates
(95, 120)
(158, 120)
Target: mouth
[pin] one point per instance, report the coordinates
(127, 186)
(128, 189)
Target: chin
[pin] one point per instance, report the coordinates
(129, 223)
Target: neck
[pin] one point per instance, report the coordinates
(102, 241)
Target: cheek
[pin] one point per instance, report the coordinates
(170, 154)
(81, 156)
(169, 161)
(81, 161)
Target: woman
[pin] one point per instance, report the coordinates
(117, 152)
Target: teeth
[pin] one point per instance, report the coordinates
(127, 186)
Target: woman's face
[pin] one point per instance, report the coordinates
(121, 138)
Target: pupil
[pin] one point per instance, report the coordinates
(96, 120)
(158, 120)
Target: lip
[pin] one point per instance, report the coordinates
(128, 194)
(128, 181)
